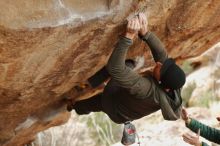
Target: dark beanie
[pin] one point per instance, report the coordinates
(171, 75)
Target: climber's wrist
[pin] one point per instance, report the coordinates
(130, 35)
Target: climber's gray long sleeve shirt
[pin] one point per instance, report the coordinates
(135, 96)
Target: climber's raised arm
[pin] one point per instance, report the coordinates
(116, 67)
(156, 46)
(116, 63)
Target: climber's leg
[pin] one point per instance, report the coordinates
(93, 104)
(99, 77)
(86, 106)
(70, 103)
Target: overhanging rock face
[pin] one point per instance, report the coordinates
(47, 47)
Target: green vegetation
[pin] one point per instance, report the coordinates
(102, 130)
(187, 67)
(187, 93)
(206, 98)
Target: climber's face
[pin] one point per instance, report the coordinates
(156, 71)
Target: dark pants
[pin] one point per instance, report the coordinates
(96, 104)
(92, 104)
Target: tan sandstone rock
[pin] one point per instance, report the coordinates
(47, 47)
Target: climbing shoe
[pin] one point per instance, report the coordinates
(70, 104)
(129, 134)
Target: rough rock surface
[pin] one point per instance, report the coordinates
(47, 47)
